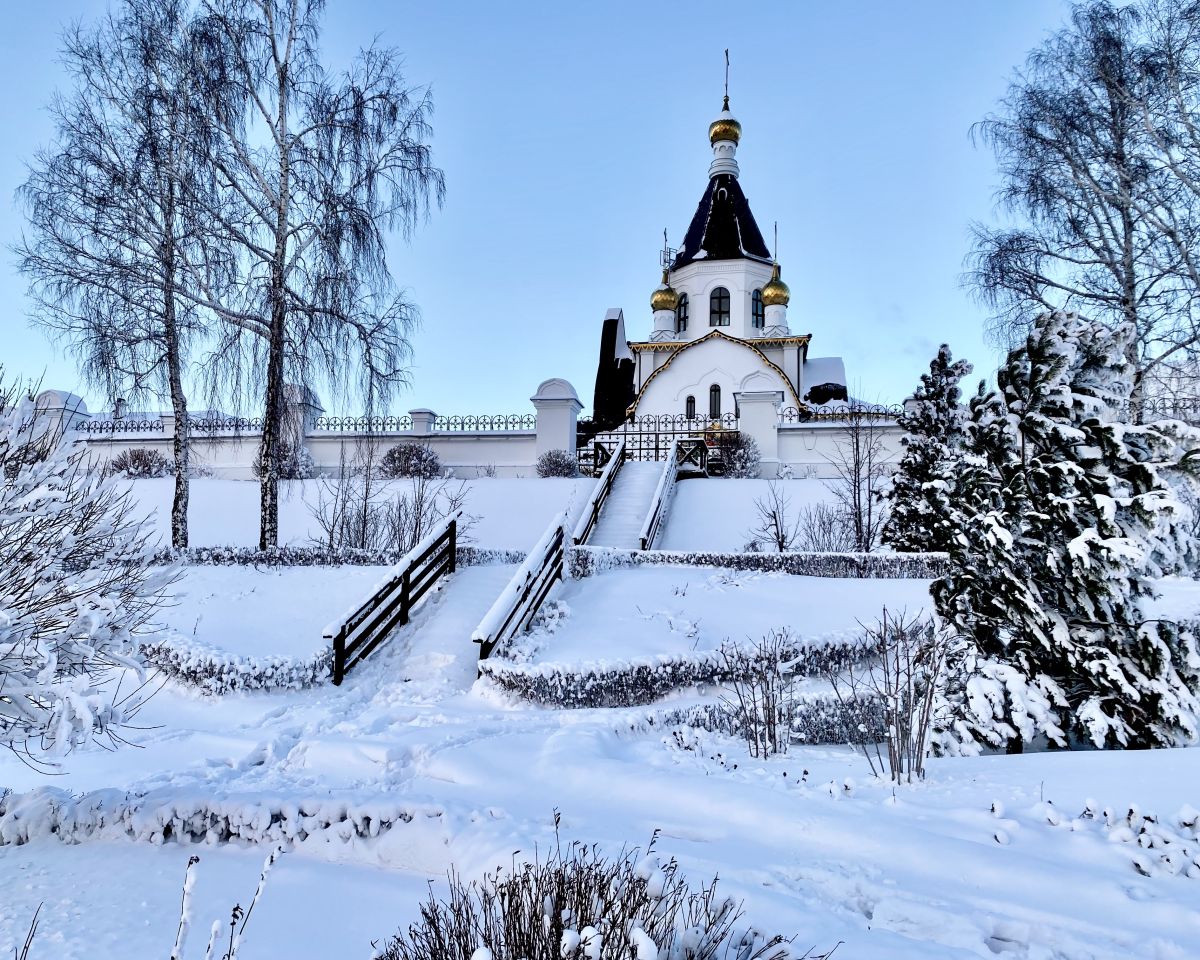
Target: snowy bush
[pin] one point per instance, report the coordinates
(578, 904)
(218, 672)
(736, 457)
(813, 719)
(140, 463)
(823, 528)
(588, 561)
(173, 814)
(761, 691)
(557, 463)
(295, 462)
(68, 623)
(290, 556)
(631, 684)
(903, 675)
(410, 459)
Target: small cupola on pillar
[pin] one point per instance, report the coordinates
(775, 297)
(664, 301)
(724, 134)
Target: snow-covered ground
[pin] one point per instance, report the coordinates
(642, 613)
(512, 513)
(261, 611)
(718, 514)
(989, 856)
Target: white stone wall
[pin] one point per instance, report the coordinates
(811, 449)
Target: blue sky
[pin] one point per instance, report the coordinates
(571, 134)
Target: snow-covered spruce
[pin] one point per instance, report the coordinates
(219, 672)
(589, 561)
(320, 556)
(636, 683)
(68, 625)
(169, 814)
(918, 495)
(1064, 517)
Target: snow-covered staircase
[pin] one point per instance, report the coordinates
(620, 523)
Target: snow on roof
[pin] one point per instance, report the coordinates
(723, 228)
(824, 370)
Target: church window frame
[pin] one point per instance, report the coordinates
(719, 304)
(758, 311)
(681, 314)
(714, 402)
(689, 408)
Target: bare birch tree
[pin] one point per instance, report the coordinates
(320, 167)
(112, 211)
(1104, 228)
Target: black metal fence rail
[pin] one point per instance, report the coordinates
(363, 424)
(608, 475)
(389, 607)
(648, 438)
(525, 593)
(514, 421)
(840, 412)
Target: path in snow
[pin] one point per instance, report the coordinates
(625, 509)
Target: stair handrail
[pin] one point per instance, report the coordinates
(662, 495)
(591, 509)
(360, 630)
(526, 591)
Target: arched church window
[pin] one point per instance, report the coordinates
(689, 408)
(714, 402)
(681, 314)
(718, 308)
(758, 313)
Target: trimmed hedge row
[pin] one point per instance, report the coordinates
(219, 672)
(589, 561)
(816, 719)
(635, 684)
(167, 815)
(320, 556)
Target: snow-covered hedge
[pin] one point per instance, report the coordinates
(636, 683)
(589, 561)
(219, 672)
(320, 556)
(167, 815)
(816, 719)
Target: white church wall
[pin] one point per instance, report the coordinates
(810, 450)
(694, 371)
(740, 277)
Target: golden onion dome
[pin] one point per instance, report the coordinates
(776, 292)
(725, 127)
(665, 297)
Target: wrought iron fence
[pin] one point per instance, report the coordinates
(1186, 409)
(513, 421)
(225, 424)
(840, 412)
(122, 426)
(364, 424)
(648, 438)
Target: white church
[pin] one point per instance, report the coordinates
(720, 331)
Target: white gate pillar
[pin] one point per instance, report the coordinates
(758, 417)
(558, 408)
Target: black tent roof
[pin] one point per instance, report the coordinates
(723, 227)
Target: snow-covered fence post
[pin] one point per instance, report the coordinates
(56, 412)
(422, 421)
(558, 408)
